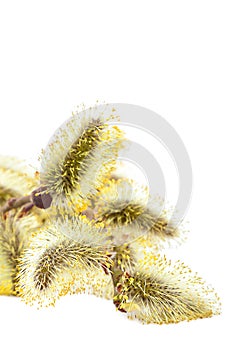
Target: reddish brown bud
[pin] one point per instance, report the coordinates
(41, 199)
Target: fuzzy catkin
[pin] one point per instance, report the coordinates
(54, 263)
(16, 179)
(79, 157)
(129, 211)
(160, 291)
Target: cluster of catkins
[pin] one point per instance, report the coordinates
(75, 227)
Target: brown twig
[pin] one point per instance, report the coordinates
(25, 210)
(39, 198)
(14, 203)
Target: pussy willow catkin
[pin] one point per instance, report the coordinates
(57, 259)
(15, 231)
(79, 157)
(16, 178)
(130, 212)
(165, 292)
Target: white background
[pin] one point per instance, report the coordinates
(174, 57)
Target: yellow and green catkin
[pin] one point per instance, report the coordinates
(129, 211)
(61, 259)
(79, 157)
(159, 291)
(15, 230)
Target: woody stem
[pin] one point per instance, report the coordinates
(39, 197)
(14, 203)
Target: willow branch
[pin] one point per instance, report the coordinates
(14, 203)
(39, 197)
